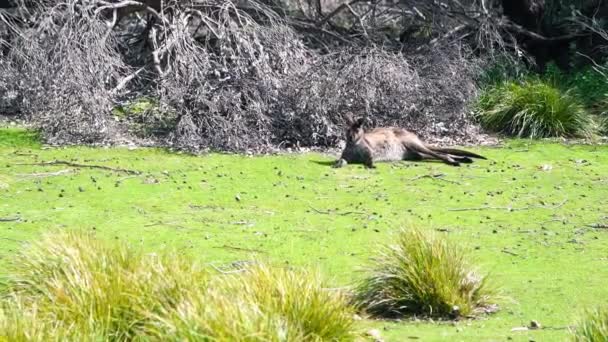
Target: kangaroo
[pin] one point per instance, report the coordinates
(393, 144)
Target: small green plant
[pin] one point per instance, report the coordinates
(145, 117)
(587, 84)
(593, 327)
(500, 71)
(72, 286)
(423, 274)
(532, 109)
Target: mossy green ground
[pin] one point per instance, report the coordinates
(543, 253)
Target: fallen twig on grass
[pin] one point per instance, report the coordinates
(120, 180)
(91, 166)
(226, 272)
(240, 249)
(168, 224)
(329, 212)
(10, 219)
(45, 174)
(509, 252)
(438, 176)
(487, 207)
(24, 154)
(598, 225)
(10, 239)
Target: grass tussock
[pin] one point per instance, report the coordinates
(423, 274)
(593, 327)
(532, 109)
(603, 126)
(263, 304)
(74, 287)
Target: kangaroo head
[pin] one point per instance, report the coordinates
(355, 130)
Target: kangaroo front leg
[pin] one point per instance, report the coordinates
(368, 161)
(340, 163)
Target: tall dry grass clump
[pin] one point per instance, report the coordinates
(592, 327)
(423, 274)
(263, 304)
(75, 287)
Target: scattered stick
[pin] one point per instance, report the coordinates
(10, 219)
(487, 207)
(9, 239)
(434, 176)
(168, 224)
(328, 212)
(24, 154)
(509, 252)
(91, 166)
(598, 226)
(120, 180)
(45, 174)
(226, 272)
(241, 249)
(336, 11)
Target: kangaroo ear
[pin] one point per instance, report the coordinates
(358, 123)
(348, 116)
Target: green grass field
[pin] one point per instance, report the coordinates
(530, 216)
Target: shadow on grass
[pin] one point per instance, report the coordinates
(324, 162)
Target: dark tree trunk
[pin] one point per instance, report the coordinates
(529, 15)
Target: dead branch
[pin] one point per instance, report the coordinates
(336, 11)
(45, 174)
(538, 37)
(226, 272)
(329, 212)
(123, 83)
(438, 176)
(506, 251)
(10, 219)
(11, 239)
(67, 163)
(241, 249)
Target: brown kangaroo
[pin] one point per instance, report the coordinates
(393, 144)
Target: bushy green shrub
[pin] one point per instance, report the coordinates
(423, 274)
(75, 287)
(587, 84)
(145, 117)
(593, 327)
(532, 109)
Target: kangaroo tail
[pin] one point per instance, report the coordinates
(419, 147)
(456, 152)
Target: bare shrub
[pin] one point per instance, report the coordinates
(67, 67)
(372, 82)
(222, 75)
(222, 86)
(427, 93)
